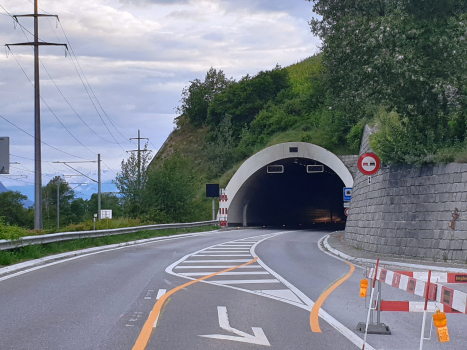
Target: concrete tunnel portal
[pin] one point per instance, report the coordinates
(274, 188)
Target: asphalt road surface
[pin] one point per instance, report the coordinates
(156, 296)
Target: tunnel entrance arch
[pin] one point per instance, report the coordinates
(294, 197)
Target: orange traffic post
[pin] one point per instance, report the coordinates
(440, 321)
(363, 287)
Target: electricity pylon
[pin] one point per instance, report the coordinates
(38, 225)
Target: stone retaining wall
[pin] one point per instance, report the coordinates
(411, 212)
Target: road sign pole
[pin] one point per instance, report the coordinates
(213, 209)
(58, 205)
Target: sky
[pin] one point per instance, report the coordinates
(127, 64)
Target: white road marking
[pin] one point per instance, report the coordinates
(225, 273)
(217, 267)
(283, 294)
(160, 293)
(217, 261)
(259, 338)
(306, 304)
(232, 255)
(233, 248)
(225, 251)
(246, 281)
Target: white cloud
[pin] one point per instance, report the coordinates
(137, 56)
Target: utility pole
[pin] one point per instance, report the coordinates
(58, 205)
(138, 181)
(38, 225)
(99, 187)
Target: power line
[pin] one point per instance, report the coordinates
(50, 109)
(16, 22)
(45, 143)
(69, 104)
(26, 182)
(90, 88)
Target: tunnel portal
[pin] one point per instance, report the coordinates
(295, 190)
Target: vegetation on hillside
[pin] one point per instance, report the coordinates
(402, 65)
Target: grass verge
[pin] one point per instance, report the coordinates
(14, 256)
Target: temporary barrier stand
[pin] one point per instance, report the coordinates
(448, 297)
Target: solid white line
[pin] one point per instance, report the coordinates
(160, 293)
(218, 267)
(225, 273)
(245, 281)
(232, 255)
(233, 248)
(215, 261)
(225, 251)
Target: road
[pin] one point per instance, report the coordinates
(112, 299)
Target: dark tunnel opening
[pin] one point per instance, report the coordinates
(293, 198)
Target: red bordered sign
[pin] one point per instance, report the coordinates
(369, 163)
(346, 211)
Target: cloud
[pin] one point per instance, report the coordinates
(136, 56)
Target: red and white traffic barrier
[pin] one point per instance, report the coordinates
(223, 209)
(441, 277)
(436, 292)
(414, 306)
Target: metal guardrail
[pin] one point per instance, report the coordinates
(66, 236)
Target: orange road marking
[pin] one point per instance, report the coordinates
(314, 319)
(145, 335)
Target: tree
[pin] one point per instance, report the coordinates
(108, 201)
(220, 152)
(132, 179)
(170, 190)
(244, 99)
(49, 200)
(405, 56)
(198, 95)
(12, 210)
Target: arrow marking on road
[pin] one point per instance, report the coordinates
(259, 338)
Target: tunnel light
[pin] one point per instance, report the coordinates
(311, 169)
(275, 169)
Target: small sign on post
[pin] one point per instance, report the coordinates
(106, 214)
(212, 191)
(4, 155)
(347, 194)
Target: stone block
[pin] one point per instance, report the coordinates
(457, 177)
(443, 244)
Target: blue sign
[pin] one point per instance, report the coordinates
(347, 194)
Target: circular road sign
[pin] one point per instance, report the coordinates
(369, 163)
(346, 211)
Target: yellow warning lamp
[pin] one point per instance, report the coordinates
(363, 287)
(440, 321)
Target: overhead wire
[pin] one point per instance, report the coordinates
(84, 84)
(89, 89)
(50, 109)
(10, 178)
(69, 104)
(17, 22)
(45, 143)
(23, 30)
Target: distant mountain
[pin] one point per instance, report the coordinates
(26, 203)
(3, 188)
